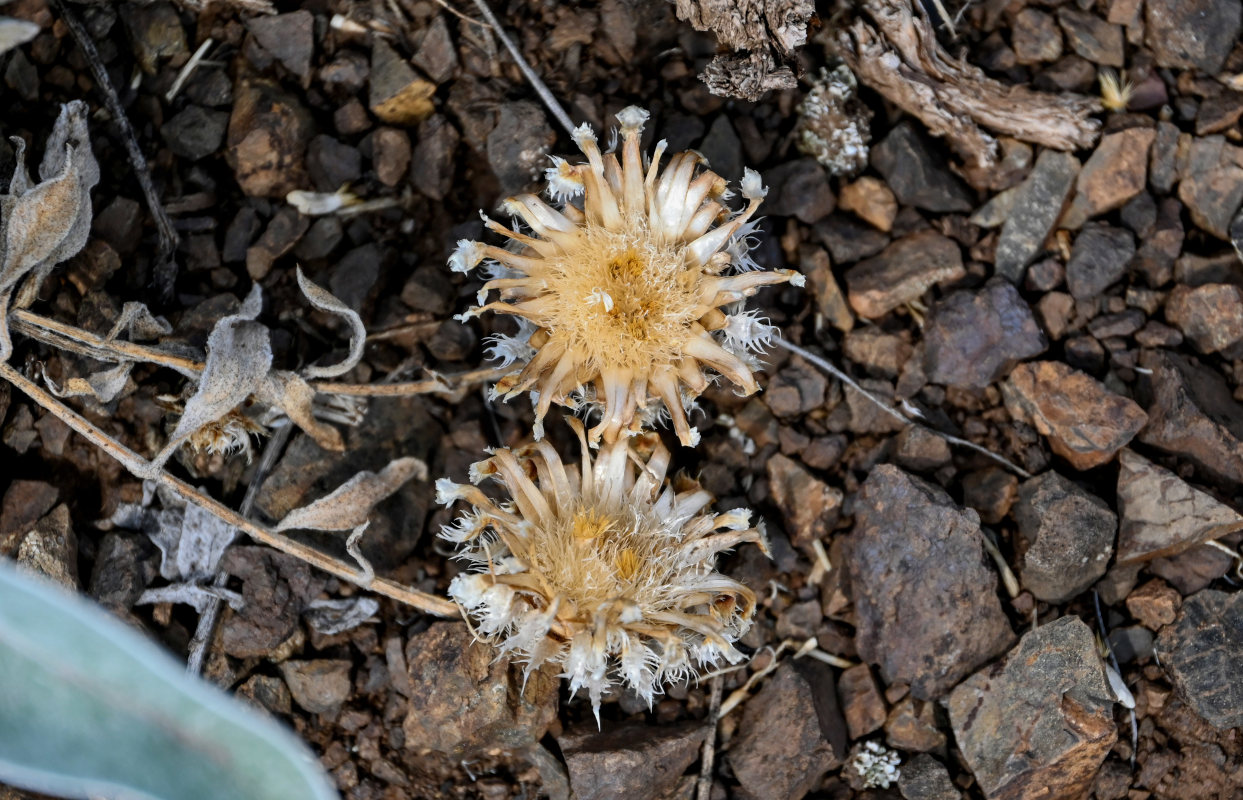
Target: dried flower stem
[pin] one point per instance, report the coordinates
(716, 688)
(136, 464)
(165, 264)
(77, 340)
(890, 410)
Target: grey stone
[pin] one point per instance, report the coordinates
(1211, 183)
(1092, 37)
(1202, 651)
(319, 686)
(1210, 316)
(903, 272)
(289, 37)
(195, 132)
(1098, 260)
(925, 594)
(791, 734)
(1161, 514)
(799, 189)
(925, 778)
(917, 174)
(518, 146)
(431, 166)
(1192, 33)
(974, 338)
(1036, 208)
(332, 163)
(723, 149)
(631, 760)
(437, 55)
(1040, 723)
(1069, 534)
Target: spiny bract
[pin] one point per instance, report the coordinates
(608, 572)
(625, 294)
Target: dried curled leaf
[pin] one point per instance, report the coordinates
(139, 322)
(15, 33)
(239, 356)
(324, 301)
(43, 224)
(351, 503)
(330, 617)
(291, 394)
(104, 385)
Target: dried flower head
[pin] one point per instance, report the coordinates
(624, 290)
(1116, 91)
(608, 572)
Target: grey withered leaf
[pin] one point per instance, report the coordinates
(295, 397)
(43, 224)
(15, 33)
(141, 324)
(104, 385)
(239, 355)
(324, 301)
(351, 503)
(330, 617)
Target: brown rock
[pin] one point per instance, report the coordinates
(398, 95)
(903, 272)
(1210, 316)
(269, 130)
(809, 506)
(1084, 422)
(1035, 37)
(1161, 514)
(830, 302)
(123, 568)
(391, 155)
(25, 502)
(436, 54)
(974, 338)
(1115, 173)
(790, 735)
(631, 760)
(1192, 33)
(918, 449)
(1092, 37)
(1202, 651)
(881, 354)
(1154, 604)
(266, 692)
(432, 164)
(466, 699)
(1055, 310)
(50, 549)
(320, 686)
(283, 232)
(991, 492)
(1098, 260)
(1037, 206)
(1193, 415)
(289, 37)
(276, 588)
(1211, 184)
(796, 389)
(912, 726)
(1069, 534)
(862, 704)
(925, 595)
(1039, 724)
(925, 778)
(517, 148)
(870, 200)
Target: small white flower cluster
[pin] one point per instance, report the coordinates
(876, 764)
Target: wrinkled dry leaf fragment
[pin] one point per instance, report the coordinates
(291, 394)
(15, 33)
(325, 301)
(139, 322)
(200, 596)
(104, 385)
(239, 356)
(330, 617)
(350, 504)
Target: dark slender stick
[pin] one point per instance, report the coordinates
(165, 266)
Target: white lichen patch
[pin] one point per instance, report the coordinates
(833, 126)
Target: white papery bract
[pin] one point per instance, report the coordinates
(624, 283)
(607, 571)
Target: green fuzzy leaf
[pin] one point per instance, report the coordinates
(90, 707)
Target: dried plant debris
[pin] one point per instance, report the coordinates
(833, 125)
(763, 35)
(348, 507)
(608, 572)
(15, 33)
(899, 57)
(43, 224)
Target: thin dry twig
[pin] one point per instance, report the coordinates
(165, 265)
(890, 410)
(707, 761)
(137, 465)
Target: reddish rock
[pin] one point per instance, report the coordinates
(1039, 724)
(870, 200)
(390, 155)
(912, 726)
(466, 699)
(1084, 422)
(791, 734)
(810, 506)
(1036, 37)
(1201, 651)
(320, 686)
(903, 272)
(1211, 183)
(991, 492)
(862, 704)
(974, 338)
(1115, 173)
(1155, 604)
(1192, 414)
(1210, 316)
(631, 760)
(1161, 514)
(925, 594)
(269, 130)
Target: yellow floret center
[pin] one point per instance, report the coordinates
(626, 301)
